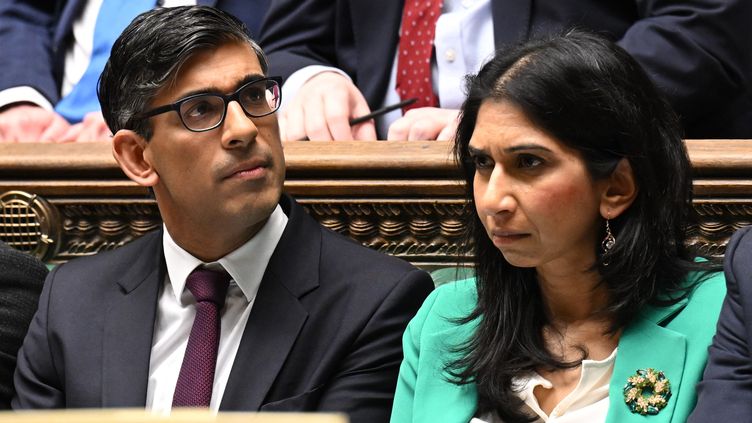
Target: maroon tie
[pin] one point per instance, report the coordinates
(415, 47)
(194, 387)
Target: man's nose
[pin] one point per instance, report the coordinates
(238, 129)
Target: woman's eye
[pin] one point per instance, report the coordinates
(528, 161)
(482, 162)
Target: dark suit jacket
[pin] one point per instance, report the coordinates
(698, 52)
(324, 332)
(21, 278)
(34, 36)
(725, 393)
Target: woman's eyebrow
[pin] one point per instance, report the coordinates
(525, 147)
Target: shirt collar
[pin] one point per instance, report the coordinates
(595, 375)
(246, 265)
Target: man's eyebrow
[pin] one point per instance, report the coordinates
(248, 78)
(216, 90)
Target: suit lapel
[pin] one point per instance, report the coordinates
(381, 37)
(65, 17)
(511, 21)
(457, 402)
(646, 344)
(129, 327)
(277, 316)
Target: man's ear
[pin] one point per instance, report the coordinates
(128, 147)
(621, 190)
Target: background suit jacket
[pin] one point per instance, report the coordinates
(725, 394)
(324, 332)
(21, 278)
(698, 52)
(673, 339)
(34, 36)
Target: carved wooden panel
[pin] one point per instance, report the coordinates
(404, 199)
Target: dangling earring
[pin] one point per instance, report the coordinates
(608, 242)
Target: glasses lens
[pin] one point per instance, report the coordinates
(202, 112)
(260, 98)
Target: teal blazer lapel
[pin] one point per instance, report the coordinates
(637, 350)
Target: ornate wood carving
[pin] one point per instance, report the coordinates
(396, 197)
(422, 231)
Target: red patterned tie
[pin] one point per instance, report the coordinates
(194, 387)
(415, 47)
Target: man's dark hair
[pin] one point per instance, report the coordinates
(150, 52)
(592, 96)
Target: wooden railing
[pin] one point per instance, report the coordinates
(402, 198)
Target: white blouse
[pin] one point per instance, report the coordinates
(588, 402)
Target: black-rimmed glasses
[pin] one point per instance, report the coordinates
(204, 112)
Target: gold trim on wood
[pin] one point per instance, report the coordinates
(29, 223)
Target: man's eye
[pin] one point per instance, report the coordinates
(254, 95)
(200, 108)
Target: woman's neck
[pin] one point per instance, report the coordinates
(574, 302)
(572, 296)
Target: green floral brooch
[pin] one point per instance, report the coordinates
(647, 391)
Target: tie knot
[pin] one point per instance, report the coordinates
(208, 285)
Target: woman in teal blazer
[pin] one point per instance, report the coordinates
(587, 303)
(674, 339)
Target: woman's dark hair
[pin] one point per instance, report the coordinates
(592, 96)
(150, 52)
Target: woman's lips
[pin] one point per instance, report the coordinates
(507, 237)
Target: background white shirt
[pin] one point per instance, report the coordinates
(77, 56)
(463, 42)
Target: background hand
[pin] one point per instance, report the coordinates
(321, 111)
(92, 129)
(31, 123)
(425, 123)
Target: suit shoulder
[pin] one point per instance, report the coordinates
(458, 297)
(738, 257)
(346, 253)
(708, 293)
(448, 302)
(370, 274)
(697, 318)
(741, 241)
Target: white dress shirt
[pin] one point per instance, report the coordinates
(176, 310)
(77, 56)
(588, 402)
(463, 41)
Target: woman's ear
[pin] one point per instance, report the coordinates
(620, 192)
(128, 147)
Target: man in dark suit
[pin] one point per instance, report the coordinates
(725, 392)
(21, 278)
(697, 52)
(311, 321)
(40, 46)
